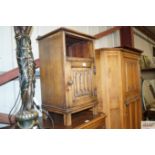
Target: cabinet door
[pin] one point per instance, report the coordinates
(82, 87)
(132, 113)
(132, 100)
(81, 82)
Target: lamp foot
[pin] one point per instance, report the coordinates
(27, 119)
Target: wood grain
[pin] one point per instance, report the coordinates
(118, 87)
(67, 77)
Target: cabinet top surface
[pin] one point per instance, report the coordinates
(66, 30)
(123, 49)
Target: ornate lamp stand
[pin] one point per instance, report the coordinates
(27, 117)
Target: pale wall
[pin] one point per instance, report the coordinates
(144, 45)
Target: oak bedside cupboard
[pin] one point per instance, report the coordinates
(67, 61)
(118, 86)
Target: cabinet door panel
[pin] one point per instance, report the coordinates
(80, 82)
(132, 92)
(82, 88)
(132, 114)
(131, 78)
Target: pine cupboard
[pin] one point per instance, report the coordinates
(67, 62)
(118, 86)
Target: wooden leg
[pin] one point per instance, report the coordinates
(67, 119)
(94, 111)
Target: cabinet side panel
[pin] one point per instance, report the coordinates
(109, 87)
(115, 118)
(99, 82)
(52, 72)
(114, 88)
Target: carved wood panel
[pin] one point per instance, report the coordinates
(82, 82)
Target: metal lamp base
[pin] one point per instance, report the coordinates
(27, 119)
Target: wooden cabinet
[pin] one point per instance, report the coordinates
(67, 72)
(118, 86)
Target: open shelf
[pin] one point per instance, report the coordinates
(78, 47)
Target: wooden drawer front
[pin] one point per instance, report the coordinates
(96, 123)
(80, 62)
(82, 82)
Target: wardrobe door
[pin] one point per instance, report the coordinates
(132, 99)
